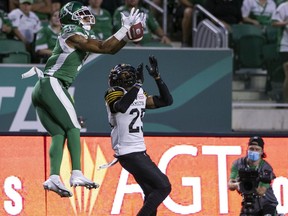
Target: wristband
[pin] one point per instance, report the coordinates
(139, 85)
(121, 33)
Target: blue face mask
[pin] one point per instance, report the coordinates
(253, 155)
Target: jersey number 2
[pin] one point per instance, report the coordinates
(132, 127)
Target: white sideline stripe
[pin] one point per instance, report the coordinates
(259, 105)
(65, 101)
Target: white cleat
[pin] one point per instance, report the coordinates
(78, 179)
(53, 183)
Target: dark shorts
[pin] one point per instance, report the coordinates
(144, 170)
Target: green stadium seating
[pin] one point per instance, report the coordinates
(272, 34)
(13, 51)
(240, 30)
(249, 51)
(272, 59)
(248, 42)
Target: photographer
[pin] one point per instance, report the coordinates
(251, 177)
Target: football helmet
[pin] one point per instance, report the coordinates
(123, 75)
(75, 13)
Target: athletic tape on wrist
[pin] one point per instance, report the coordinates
(121, 33)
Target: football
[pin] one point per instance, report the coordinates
(135, 33)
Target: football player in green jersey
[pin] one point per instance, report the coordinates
(50, 96)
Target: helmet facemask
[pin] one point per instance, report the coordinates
(128, 79)
(81, 15)
(123, 75)
(77, 14)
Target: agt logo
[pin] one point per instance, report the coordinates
(171, 161)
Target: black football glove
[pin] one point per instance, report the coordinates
(153, 69)
(139, 74)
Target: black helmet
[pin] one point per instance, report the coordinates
(123, 75)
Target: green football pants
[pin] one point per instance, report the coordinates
(56, 111)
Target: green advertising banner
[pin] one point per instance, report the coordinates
(200, 82)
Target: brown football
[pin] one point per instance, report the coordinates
(135, 33)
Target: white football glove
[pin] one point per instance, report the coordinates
(142, 19)
(128, 21)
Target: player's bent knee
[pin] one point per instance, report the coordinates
(166, 191)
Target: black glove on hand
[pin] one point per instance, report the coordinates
(139, 74)
(153, 69)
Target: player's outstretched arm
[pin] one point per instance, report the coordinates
(114, 43)
(165, 98)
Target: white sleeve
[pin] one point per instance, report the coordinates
(14, 16)
(246, 8)
(38, 24)
(279, 14)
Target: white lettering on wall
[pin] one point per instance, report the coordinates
(19, 122)
(221, 152)
(6, 92)
(13, 206)
(280, 188)
(193, 182)
(123, 188)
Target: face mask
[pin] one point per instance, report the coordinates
(253, 155)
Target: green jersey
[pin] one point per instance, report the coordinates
(65, 61)
(46, 38)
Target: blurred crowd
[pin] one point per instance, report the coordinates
(36, 23)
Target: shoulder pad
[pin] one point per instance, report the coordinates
(114, 89)
(113, 94)
(71, 30)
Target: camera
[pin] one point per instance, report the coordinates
(249, 180)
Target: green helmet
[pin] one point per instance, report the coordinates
(74, 13)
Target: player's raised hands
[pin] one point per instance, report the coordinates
(128, 21)
(153, 69)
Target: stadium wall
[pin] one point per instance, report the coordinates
(200, 82)
(198, 168)
(197, 165)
